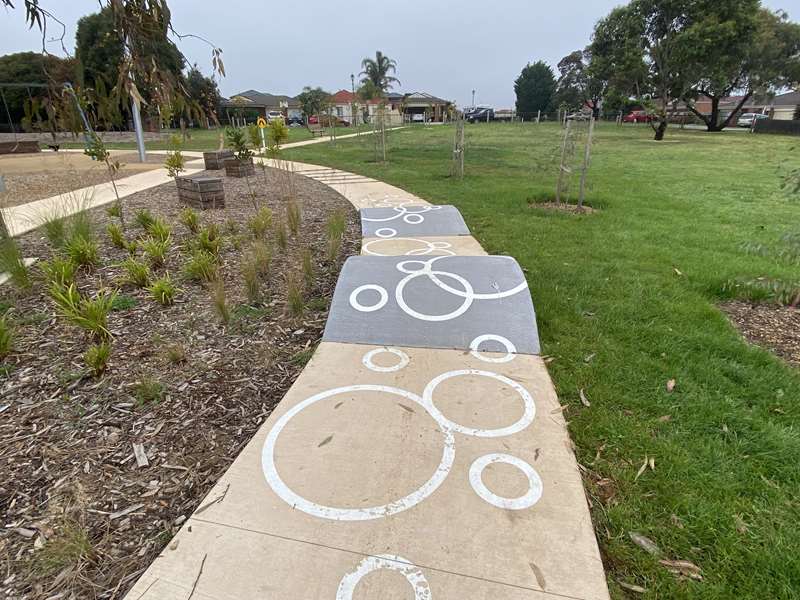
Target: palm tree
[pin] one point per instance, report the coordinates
(378, 73)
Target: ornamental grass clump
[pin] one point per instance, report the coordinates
(201, 267)
(83, 251)
(6, 337)
(13, 263)
(135, 272)
(220, 301)
(97, 357)
(163, 290)
(116, 236)
(190, 219)
(60, 270)
(293, 216)
(260, 222)
(156, 251)
(88, 314)
(159, 229)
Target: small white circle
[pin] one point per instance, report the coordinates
(474, 348)
(522, 423)
(382, 300)
(413, 218)
(385, 232)
(527, 500)
(412, 573)
(367, 360)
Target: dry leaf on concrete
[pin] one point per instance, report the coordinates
(644, 543)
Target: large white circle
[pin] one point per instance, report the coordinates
(384, 298)
(412, 573)
(367, 360)
(353, 514)
(527, 500)
(522, 423)
(474, 348)
(401, 302)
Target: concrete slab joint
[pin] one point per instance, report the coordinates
(421, 453)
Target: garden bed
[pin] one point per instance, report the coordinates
(771, 326)
(98, 473)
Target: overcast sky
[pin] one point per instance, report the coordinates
(442, 47)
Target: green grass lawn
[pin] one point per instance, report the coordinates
(208, 139)
(626, 300)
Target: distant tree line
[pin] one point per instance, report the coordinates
(654, 54)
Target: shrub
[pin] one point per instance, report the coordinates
(148, 390)
(90, 315)
(137, 273)
(59, 270)
(6, 337)
(307, 260)
(294, 295)
(260, 223)
(156, 251)
(201, 266)
(293, 216)
(116, 235)
(175, 162)
(280, 235)
(208, 239)
(115, 210)
(96, 357)
(190, 219)
(159, 229)
(144, 218)
(237, 141)
(82, 251)
(13, 263)
(163, 290)
(220, 300)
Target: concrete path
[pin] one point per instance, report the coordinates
(422, 453)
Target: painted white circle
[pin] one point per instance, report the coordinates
(403, 266)
(412, 573)
(401, 302)
(413, 218)
(367, 360)
(354, 514)
(385, 232)
(527, 500)
(474, 348)
(425, 247)
(382, 300)
(523, 422)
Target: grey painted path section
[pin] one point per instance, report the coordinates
(454, 302)
(412, 221)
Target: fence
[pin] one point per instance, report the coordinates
(776, 126)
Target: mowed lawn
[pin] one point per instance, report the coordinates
(627, 300)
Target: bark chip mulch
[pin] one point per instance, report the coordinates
(98, 474)
(776, 328)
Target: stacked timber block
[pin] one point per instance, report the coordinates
(216, 160)
(201, 192)
(239, 168)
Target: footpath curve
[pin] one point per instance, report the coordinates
(421, 453)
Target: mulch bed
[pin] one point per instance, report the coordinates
(776, 328)
(563, 207)
(82, 518)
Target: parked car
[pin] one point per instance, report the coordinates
(313, 120)
(418, 118)
(295, 121)
(746, 119)
(273, 115)
(481, 113)
(638, 116)
(579, 116)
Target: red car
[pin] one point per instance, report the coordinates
(638, 116)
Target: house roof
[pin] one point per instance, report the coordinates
(343, 97)
(423, 97)
(788, 99)
(262, 99)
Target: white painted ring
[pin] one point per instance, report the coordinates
(367, 360)
(412, 573)
(527, 500)
(468, 296)
(474, 348)
(384, 298)
(354, 514)
(385, 232)
(524, 421)
(413, 218)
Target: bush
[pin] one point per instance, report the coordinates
(59, 270)
(115, 210)
(190, 219)
(83, 251)
(156, 251)
(90, 315)
(6, 337)
(208, 239)
(260, 223)
(163, 290)
(13, 263)
(116, 235)
(201, 266)
(144, 218)
(159, 229)
(137, 273)
(97, 356)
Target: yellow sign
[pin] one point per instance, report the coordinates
(262, 122)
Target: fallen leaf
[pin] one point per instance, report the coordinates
(641, 469)
(676, 521)
(683, 568)
(741, 526)
(665, 418)
(631, 587)
(677, 271)
(670, 385)
(589, 358)
(644, 543)
(652, 463)
(584, 399)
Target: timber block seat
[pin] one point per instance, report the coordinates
(201, 191)
(215, 160)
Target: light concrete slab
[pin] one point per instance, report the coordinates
(285, 569)
(412, 221)
(456, 463)
(439, 302)
(462, 245)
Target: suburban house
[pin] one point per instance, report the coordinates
(400, 108)
(782, 107)
(251, 104)
(785, 107)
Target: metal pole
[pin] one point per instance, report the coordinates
(137, 126)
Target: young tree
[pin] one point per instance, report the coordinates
(535, 88)
(739, 48)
